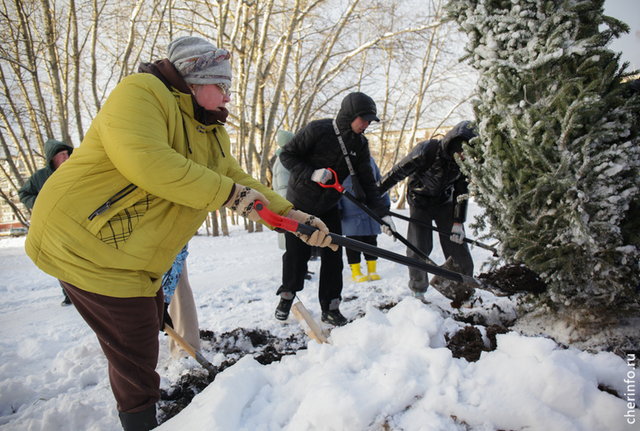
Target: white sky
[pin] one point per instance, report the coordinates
(627, 11)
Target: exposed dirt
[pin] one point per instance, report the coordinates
(262, 345)
(511, 279)
(468, 343)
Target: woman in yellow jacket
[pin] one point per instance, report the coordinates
(112, 219)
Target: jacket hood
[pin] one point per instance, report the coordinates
(452, 141)
(53, 147)
(282, 137)
(353, 106)
(167, 73)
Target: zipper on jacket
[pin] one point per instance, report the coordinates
(219, 144)
(113, 199)
(186, 135)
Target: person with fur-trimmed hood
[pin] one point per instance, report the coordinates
(314, 149)
(435, 183)
(156, 160)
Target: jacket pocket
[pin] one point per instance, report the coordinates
(112, 200)
(115, 224)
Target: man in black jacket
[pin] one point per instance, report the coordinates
(435, 182)
(316, 147)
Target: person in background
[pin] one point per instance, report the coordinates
(338, 144)
(180, 307)
(435, 183)
(56, 153)
(110, 223)
(280, 181)
(280, 177)
(358, 225)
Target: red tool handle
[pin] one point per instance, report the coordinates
(275, 220)
(336, 185)
(278, 221)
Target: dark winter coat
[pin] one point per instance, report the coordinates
(316, 146)
(29, 191)
(356, 222)
(434, 184)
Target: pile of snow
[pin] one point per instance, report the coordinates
(393, 370)
(385, 370)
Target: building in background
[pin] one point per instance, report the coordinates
(8, 218)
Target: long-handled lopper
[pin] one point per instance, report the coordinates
(336, 185)
(291, 225)
(442, 231)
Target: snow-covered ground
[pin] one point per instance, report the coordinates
(384, 371)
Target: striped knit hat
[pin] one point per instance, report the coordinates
(200, 62)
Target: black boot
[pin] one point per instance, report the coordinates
(283, 308)
(141, 421)
(334, 317)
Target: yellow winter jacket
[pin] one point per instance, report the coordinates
(160, 186)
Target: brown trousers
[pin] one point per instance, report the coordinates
(127, 329)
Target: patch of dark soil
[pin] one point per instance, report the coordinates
(492, 331)
(511, 279)
(627, 349)
(264, 346)
(384, 307)
(388, 306)
(607, 389)
(183, 392)
(467, 343)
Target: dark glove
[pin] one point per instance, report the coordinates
(166, 319)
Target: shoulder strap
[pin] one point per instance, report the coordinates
(352, 172)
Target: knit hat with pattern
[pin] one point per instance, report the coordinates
(199, 61)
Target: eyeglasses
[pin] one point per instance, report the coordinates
(225, 89)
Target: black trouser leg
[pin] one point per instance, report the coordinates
(294, 264)
(354, 256)
(295, 259)
(64, 292)
(422, 238)
(459, 252)
(331, 264)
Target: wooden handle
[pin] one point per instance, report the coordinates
(308, 324)
(181, 341)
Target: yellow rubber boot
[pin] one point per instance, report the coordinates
(371, 269)
(356, 275)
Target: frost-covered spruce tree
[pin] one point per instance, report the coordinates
(555, 164)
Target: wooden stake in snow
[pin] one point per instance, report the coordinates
(309, 325)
